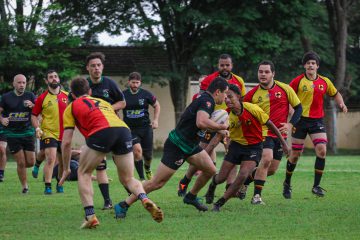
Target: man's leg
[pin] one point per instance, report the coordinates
(147, 146)
(19, 157)
(50, 153)
(40, 157)
(245, 169)
(319, 140)
(3, 159)
(139, 163)
(103, 181)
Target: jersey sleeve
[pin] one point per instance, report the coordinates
(206, 82)
(331, 89)
(38, 105)
(248, 97)
(205, 104)
(117, 94)
(294, 84)
(151, 98)
(241, 83)
(68, 118)
(292, 97)
(258, 113)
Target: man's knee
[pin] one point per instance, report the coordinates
(137, 150)
(320, 150)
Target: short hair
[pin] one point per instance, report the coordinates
(311, 56)
(218, 83)
(79, 86)
(135, 76)
(94, 55)
(225, 56)
(267, 62)
(234, 88)
(49, 72)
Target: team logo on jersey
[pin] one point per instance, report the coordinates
(208, 104)
(19, 116)
(179, 162)
(248, 122)
(304, 88)
(106, 93)
(278, 94)
(260, 99)
(321, 87)
(141, 101)
(64, 100)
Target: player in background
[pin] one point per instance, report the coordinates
(311, 88)
(3, 158)
(136, 116)
(183, 145)
(50, 105)
(275, 99)
(104, 132)
(245, 127)
(15, 116)
(225, 66)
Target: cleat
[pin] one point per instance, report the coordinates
(216, 208)
(196, 203)
(35, 171)
(241, 194)
(25, 191)
(156, 213)
(318, 191)
(59, 189)
(107, 205)
(287, 191)
(148, 174)
(182, 189)
(90, 223)
(48, 191)
(120, 212)
(256, 200)
(210, 194)
(1, 178)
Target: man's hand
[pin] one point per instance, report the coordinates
(39, 132)
(28, 103)
(343, 107)
(285, 128)
(5, 121)
(154, 124)
(64, 176)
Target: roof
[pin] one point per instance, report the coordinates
(120, 61)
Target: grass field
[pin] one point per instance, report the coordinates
(336, 216)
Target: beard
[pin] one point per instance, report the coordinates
(54, 85)
(224, 74)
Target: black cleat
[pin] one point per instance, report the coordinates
(318, 191)
(241, 194)
(107, 205)
(287, 191)
(216, 208)
(182, 189)
(196, 203)
(210, 194)
(1, 178)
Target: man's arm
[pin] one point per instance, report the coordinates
(275, 130)
(340, 102)
(4, 121)
(119, 105)
(66, 153)
(204, 122)
(155, 122)
(35, 123)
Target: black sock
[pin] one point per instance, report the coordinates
(139, 165)
(220, 202)
(48, 184)
(190, 196)
(147, 167)
(89, 210)
(104, 189)
(38, 163)
(2, 172)
(185, 180)
(250, 178)
(259, 184)
(290, 167)
(319, 169)
(213, 180)
(124, 204)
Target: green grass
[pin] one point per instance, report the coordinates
(336, 216)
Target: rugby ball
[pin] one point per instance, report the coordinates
(220, 116)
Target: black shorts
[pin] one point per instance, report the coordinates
(207, 137)
(238, 153)
(114, 139)
(50, 142)
(274, 144)
(308, 126)
(3, 138)
(144, 136)
(173, 157)
(21, 143)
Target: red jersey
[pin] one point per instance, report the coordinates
(91, 115)
(275, 103)
(311, 94)
(246, 129)
(51, 107)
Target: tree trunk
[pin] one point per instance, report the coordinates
(330, 122)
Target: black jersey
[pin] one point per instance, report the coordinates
(136, 112)
(186, 134)
(107, 90)
(19, 115)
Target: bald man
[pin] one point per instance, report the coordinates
(15, 116)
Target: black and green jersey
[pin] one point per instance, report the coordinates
(186, 134)
(18, 114)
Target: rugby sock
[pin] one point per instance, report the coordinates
(185, 180)
(89, 210)
(124, 204)
(147, 166)
(38, 163)
(104, 189)
(290, 167)
(142, 196)
(259, 184)
(48, 184)
(2, 172)
(220, 202)
(250, 179)
(139, 165)
(190, 196)
(319, 169)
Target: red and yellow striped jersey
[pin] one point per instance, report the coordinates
(91, 115)
(246, 129)
(51, 107)
(275, 103)
(235, 79)
(311, 94)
